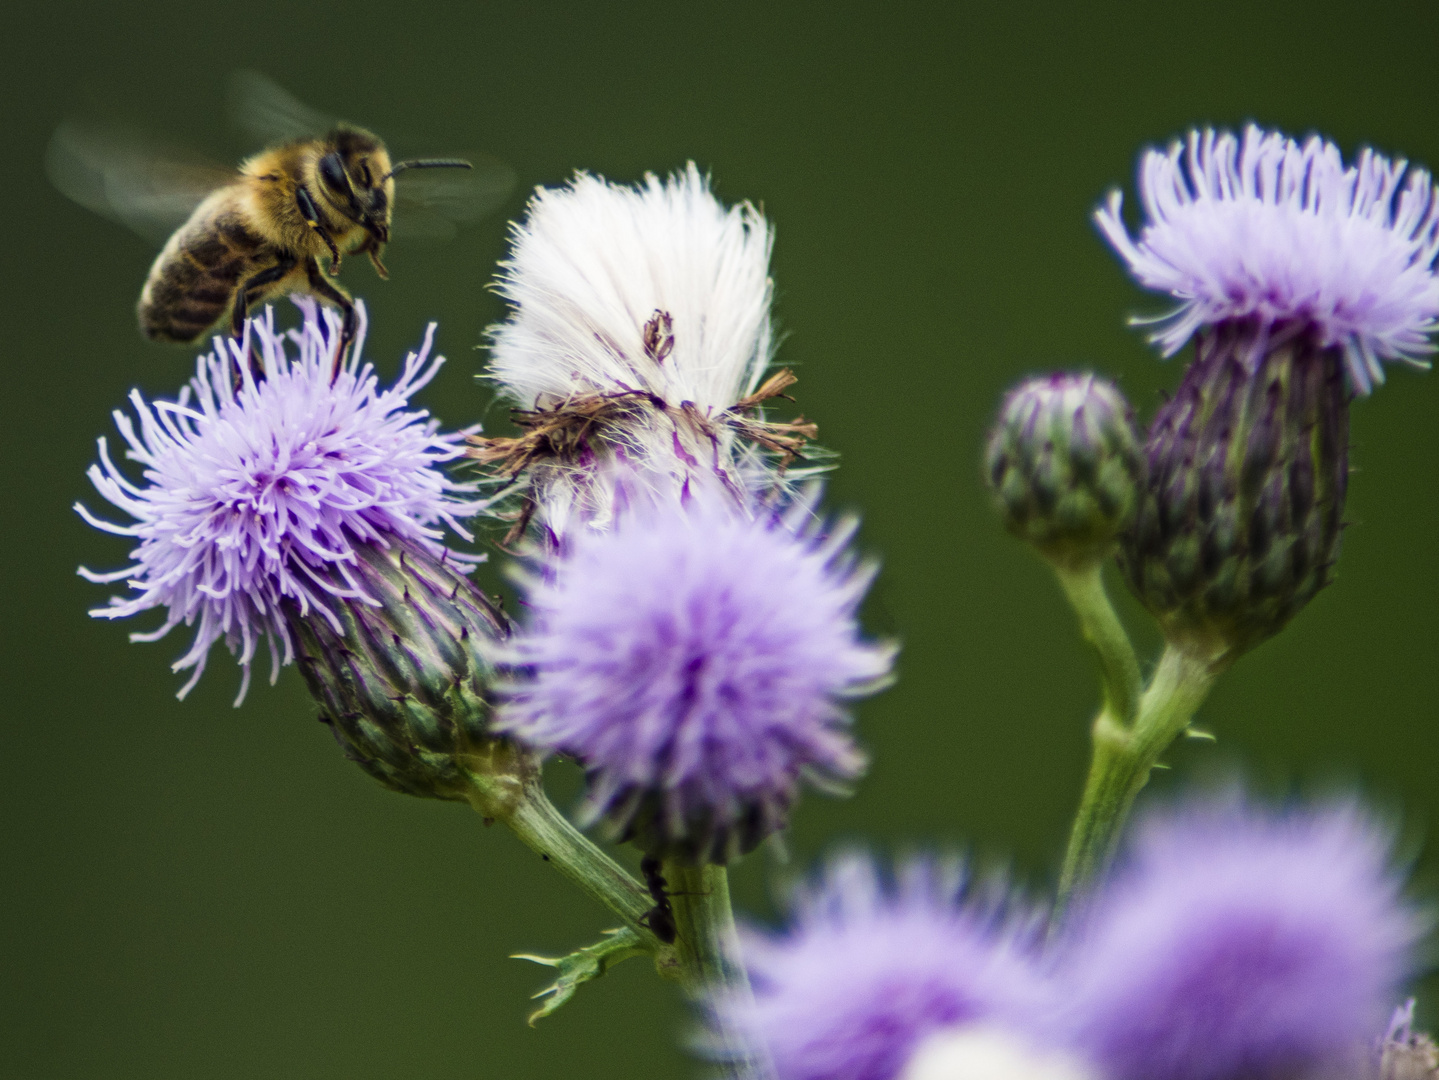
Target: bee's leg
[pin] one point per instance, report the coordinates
(254, 283)
(311, 213)
(372, 248)
(325, 289)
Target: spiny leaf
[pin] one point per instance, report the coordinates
(581, 966)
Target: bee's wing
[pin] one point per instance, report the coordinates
(431, 203)
(263, 108)
(128, 177)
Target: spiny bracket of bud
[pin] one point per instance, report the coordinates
(1064, 465)
(567, 431)
(581, 966)
(401, 680)
(1242, 516)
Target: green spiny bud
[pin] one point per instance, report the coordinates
(1065, 466)
(1241, 519)
(401, 681)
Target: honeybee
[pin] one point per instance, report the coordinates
(236, 238)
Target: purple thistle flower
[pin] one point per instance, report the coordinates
(258, 494)
(1236, 945)
(695, 661)
(867, 971)
(1264, 228)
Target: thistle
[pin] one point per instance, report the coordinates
(403, 680)
(307, 512)
(1241, 523)
(869, 970)
(696, 662)
(1298, 277)
(640, 333)
(1261, 227)
(1064, 465)
(1236, 942)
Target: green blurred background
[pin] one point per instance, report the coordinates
(192, 890)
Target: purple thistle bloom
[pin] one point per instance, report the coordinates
(1236, 945)
(1264, 228)
(867, 972)
(260, 493)
(695, 661)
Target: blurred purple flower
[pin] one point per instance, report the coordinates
(258, 493)
(1237, 945)
(1261, 227)
(696, 662)
(868, 971)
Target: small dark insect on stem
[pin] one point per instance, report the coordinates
(660, 919)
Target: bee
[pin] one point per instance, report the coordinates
(281, 223)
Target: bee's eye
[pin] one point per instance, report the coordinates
(332, 171)
(365, 175)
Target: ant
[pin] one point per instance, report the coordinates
(660, 919)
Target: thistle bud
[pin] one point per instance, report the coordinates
(1065, 466)
(400, 675)
(1240, 522)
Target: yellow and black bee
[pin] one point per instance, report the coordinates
(235, 238)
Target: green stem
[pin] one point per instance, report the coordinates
(708, 949)
(1084, 586)
(506, 787)
(1123, 758)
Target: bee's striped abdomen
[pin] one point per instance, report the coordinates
(193, 282)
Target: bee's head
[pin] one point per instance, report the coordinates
(355, 178)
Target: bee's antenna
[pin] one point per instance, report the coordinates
(427, 163)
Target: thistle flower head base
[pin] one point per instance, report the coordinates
(402, 677)
(1241, 520)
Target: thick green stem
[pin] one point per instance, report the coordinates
(705, 929)
(539, 823)
(1084, 586)
(1123, 757)
(708, 950)
(506, 787)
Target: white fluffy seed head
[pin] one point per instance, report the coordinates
(652, 303)
(592, 264)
